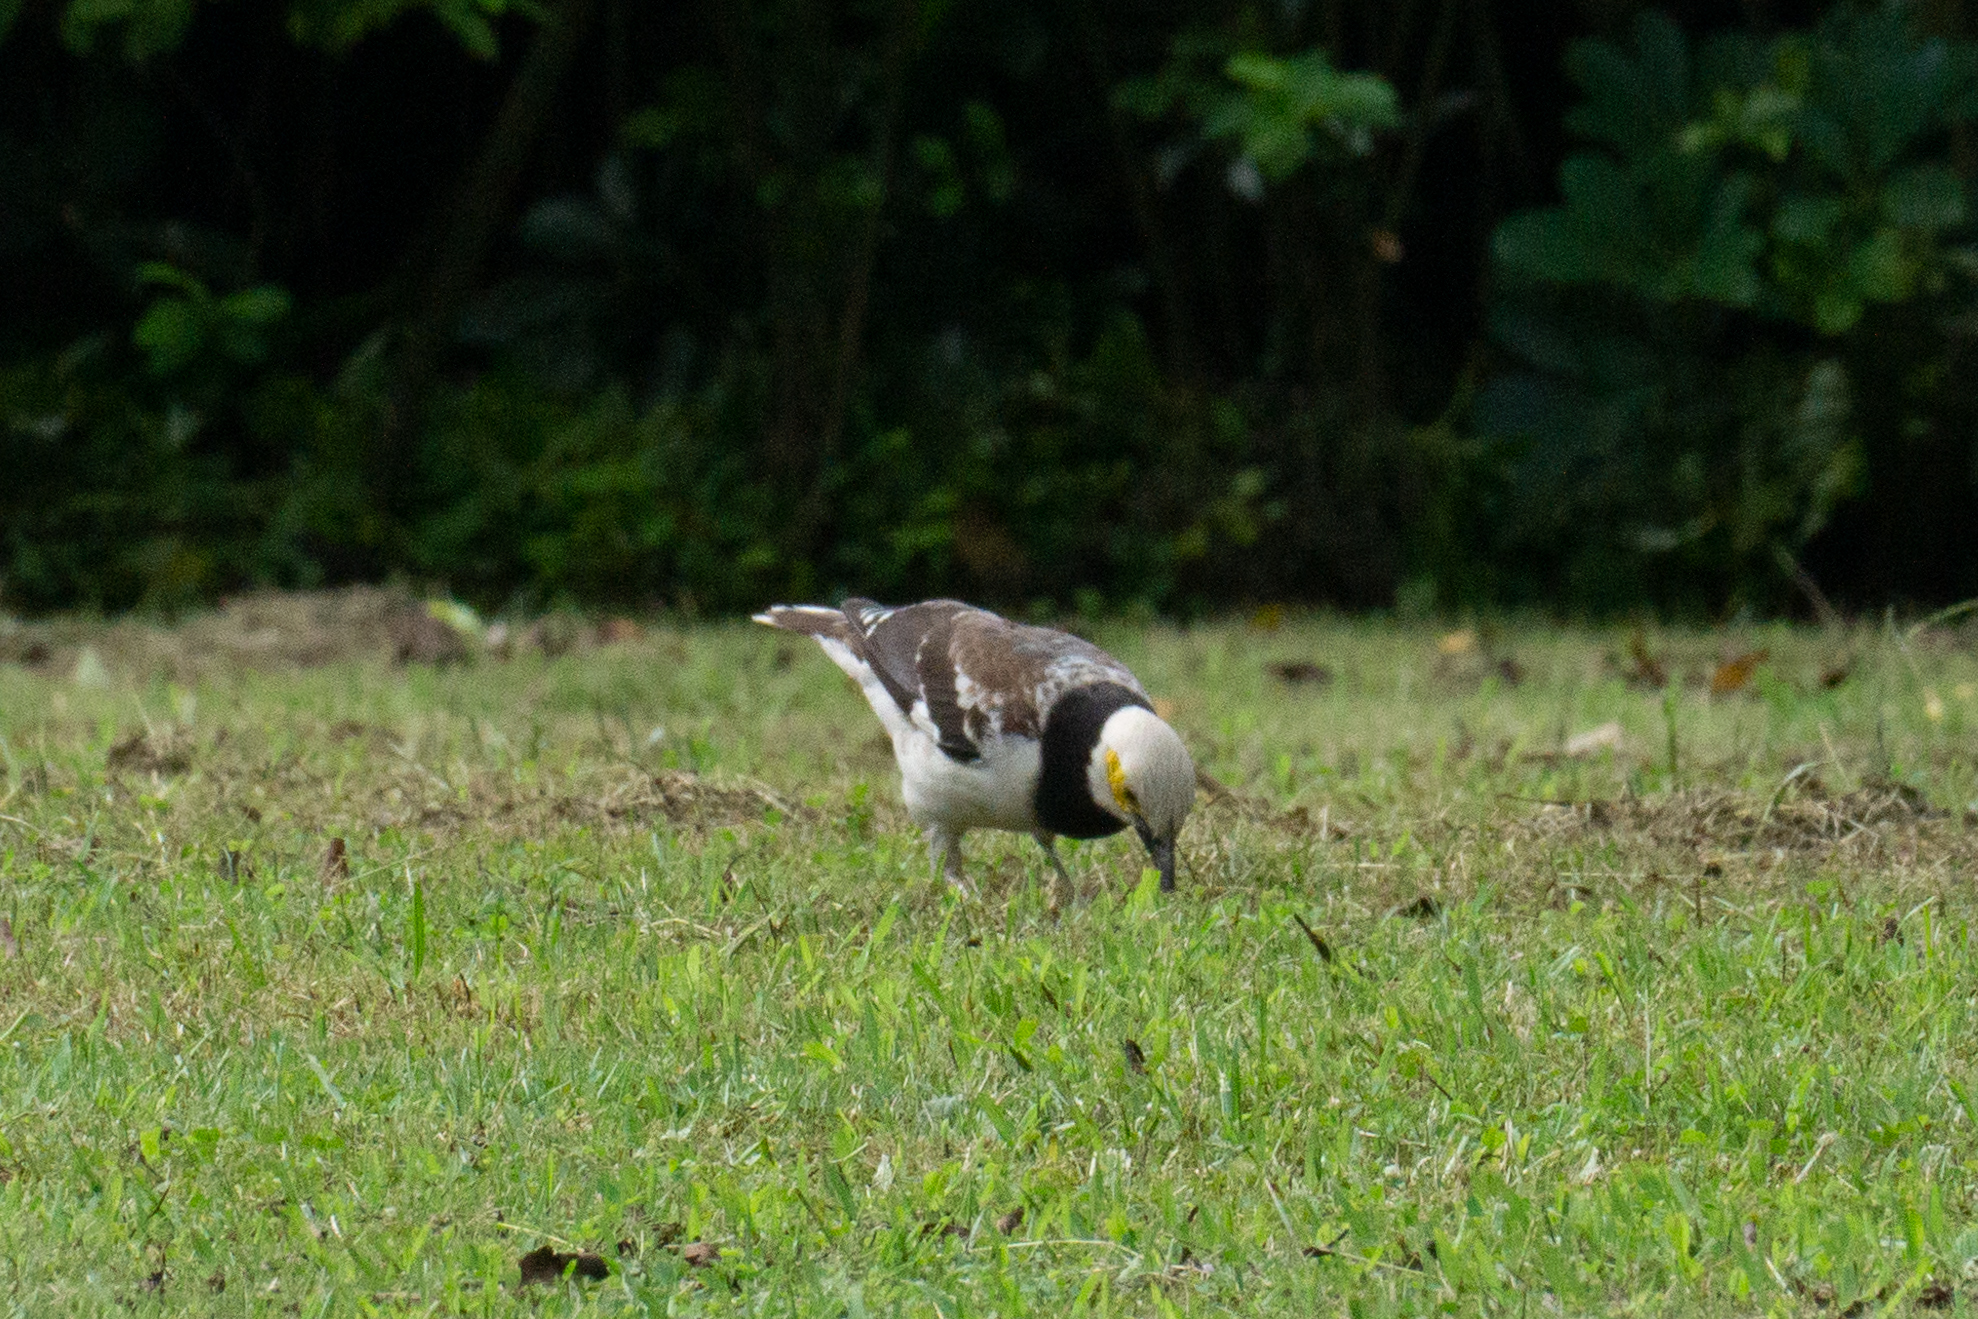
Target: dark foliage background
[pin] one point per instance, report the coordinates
(1592, 305)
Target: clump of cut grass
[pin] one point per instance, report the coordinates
(375, 987)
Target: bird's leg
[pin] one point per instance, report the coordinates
(946, 850)
(1061, 884)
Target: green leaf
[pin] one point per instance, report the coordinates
(990, 145)
(162, 272)
(149, 27)
(1835, 312)
(1877, 270)
(339, 25)
(1364, 98)
(1928, 196)
(1544, 245)
(653, 128)
(472, 30)
(1281, 103)
(418, 927)
(261, 306)
(840, 1188)
(1724, 269)
(1606, 206)
(1801, 219)
(1258, 71)
(1149, 98)
(172, 333)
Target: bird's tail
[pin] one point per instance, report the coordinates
(819, 621)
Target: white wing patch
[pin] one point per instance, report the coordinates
(1067, 670)
(923, 719)
(871, 616)
(988, 702)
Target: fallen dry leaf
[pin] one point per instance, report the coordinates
(1607, 737)
(1646, 671)
(701, 1254)
(1136, 1061)
(10, 947)
(1735, 675)
(139, 752)
(336, 862)
(947, 1227)
(1299, 673)
(1210, 784)
(417, 637)
(1460, 642)
(1011, 1221)
(615, 630)
(548, 1265)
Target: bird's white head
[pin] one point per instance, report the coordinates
(1142, 773)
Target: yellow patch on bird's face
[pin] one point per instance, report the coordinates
(1116, 780)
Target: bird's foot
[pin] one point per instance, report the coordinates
(946, 849)
(1059, 890)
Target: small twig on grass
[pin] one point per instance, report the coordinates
(1772, 802)
(1823, 610)
(1320, 946)
(1819, 1147)
(804, 1200)
(1335, 1253)
(389, 866)
(1075, 1241)
(406, 755)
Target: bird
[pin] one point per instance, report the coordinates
(1001, 725)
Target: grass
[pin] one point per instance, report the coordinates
(632, 951)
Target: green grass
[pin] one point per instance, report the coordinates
(1702, 1039)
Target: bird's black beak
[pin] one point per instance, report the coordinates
(1162, 850)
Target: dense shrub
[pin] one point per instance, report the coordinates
(1711, 346)
(1169, 306)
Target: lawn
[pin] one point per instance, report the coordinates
(1513, 971)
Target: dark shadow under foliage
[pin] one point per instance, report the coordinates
(1042, 304)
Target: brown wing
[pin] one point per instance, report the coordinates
(971, 677)
(910, 650)
(1054, 662)
(1007, 677)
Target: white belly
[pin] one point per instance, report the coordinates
(997, 791)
